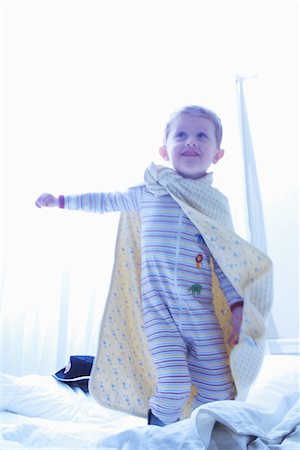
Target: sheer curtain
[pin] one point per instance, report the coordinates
(88, 87)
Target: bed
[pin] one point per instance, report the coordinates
(40, 412)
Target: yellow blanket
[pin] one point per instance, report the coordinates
(123, 374)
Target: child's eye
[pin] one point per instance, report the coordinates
(180, 135)
(202, 135)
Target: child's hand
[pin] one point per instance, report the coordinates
(236, 319)
(47, 200)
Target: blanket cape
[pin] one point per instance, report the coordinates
(123, 373)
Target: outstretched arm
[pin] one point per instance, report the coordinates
(100, 202)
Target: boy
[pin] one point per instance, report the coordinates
(176, 208)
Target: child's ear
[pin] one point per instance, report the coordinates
(218, 155)
(163, 153)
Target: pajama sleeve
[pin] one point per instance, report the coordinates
(102, 202)
(233, 298)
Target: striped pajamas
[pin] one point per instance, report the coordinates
(184, 335)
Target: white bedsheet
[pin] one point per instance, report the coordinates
(39, 412)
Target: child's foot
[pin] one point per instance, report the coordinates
(153, 420)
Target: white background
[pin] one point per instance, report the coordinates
(88, 87)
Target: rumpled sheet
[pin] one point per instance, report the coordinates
(39, 412)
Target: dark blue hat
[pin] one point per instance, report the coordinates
(77, 372)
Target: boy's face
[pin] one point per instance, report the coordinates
(191, 146)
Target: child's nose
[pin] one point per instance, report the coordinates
(191, 142)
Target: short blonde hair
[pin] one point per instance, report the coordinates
(200, 111)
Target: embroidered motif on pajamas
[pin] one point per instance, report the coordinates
(198, 260)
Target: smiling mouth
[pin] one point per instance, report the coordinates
(190, 153)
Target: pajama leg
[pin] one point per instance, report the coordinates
(213, 381)
(209, 367)
(169, 354)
